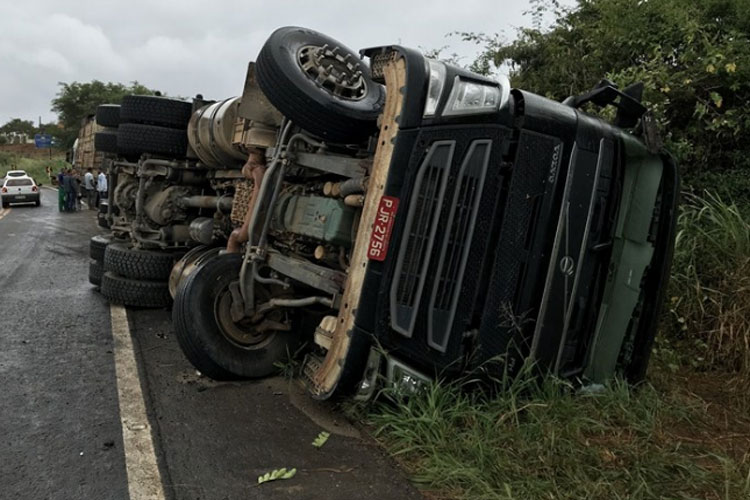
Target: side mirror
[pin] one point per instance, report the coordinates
(40, 184)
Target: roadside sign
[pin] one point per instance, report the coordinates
(43, 140)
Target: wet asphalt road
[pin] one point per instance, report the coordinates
(60, 434)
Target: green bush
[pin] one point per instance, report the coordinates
(710, 287)
(35, 167)
(533, 442)
(693, 57)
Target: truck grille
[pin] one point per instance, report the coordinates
(520, 250)
(421, 226)
(452, 261)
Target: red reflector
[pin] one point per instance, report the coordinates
(381, 229)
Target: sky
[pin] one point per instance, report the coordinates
(188, 47)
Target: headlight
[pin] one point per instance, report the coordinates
(435, 87)
(469, 97)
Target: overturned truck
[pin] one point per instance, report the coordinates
(400, 217)
(172, 175)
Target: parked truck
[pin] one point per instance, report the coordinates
(406, 218)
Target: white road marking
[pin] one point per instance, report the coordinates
(4, 212)
(144, 480)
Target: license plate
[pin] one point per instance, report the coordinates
(20, 196)
(381, 230)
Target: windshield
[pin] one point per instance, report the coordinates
(18, 182)
(17, 173)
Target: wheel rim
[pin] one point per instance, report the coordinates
(243, 334)
(333, 70)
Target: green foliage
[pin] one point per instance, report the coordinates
(19, 126)
(710, 287)
(549, 442)
(74, 101)
(35, 167)
(693, 57)
(321, 439)
(276, 474)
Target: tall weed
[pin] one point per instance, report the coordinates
(710, 287)
(545, 440)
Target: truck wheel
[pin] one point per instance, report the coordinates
(138, 139)
(97, 246)
(106, 141)
(101, 221)
(96, 270)
(207, 334)
(129, 262)
(136, 293)
(108, 115)
(188, 263)
(155, 110)
(319, 84)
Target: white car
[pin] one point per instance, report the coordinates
(21, 189)
(14, 173)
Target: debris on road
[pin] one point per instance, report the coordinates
(282, 473)
(321, 439)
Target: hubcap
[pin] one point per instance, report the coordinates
(340, 75)
(242, 334)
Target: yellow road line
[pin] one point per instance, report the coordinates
(4, 212)
(144, 480)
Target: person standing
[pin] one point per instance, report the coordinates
(101, 186)
(88, 186)
(77, 185)
(69, 186)
(60, 191)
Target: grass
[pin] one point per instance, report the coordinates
(710, 288)
(547, 442)
(35, 167)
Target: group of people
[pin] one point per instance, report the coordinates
(71, 189)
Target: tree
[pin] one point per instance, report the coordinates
(74, 101)
(693, 57)
(19, 126)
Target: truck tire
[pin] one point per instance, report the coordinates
(96, 270)
(129, 262)
(106, 141)
(101, 221)
(108, 115)
(98, 245)
(136, 139)
(207, 335)
(136, 293)
(197, 358)
(330, 110)
(155, 110)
